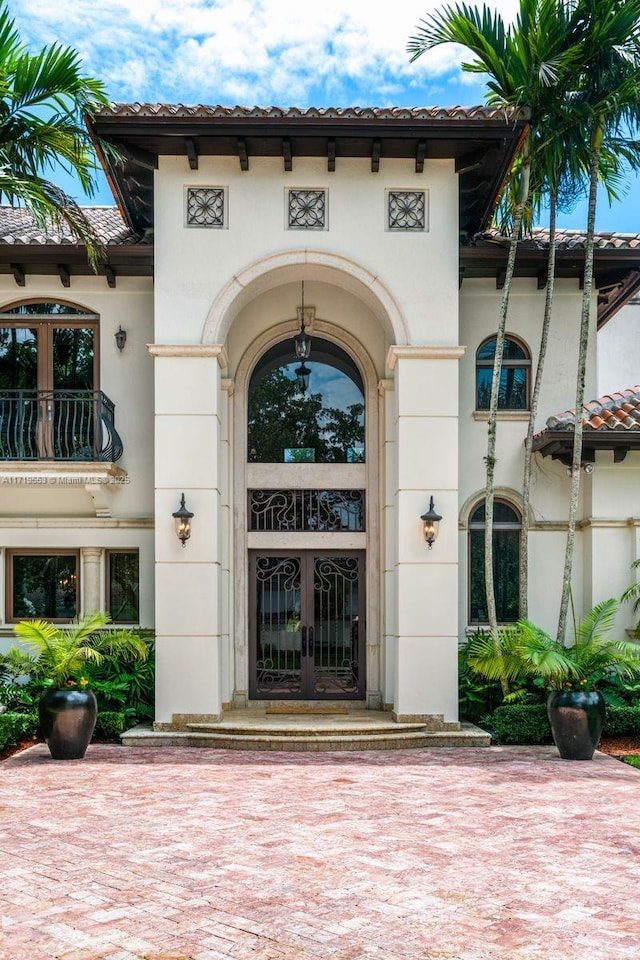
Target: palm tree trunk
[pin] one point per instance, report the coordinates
(596, 142)
(490, 459)
(528, 444)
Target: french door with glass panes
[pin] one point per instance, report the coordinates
(306, 625)
(48, 375)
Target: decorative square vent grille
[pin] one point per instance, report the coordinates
(307, 209)
(407, 210)
(205, 207)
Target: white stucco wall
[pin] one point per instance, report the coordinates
(619, 350)
(479, 308)
(61, 514)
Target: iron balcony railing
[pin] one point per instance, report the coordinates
(58, 425)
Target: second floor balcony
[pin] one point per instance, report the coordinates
(58, 425)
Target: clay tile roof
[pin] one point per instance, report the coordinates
(571, 239)
(17, 226)
(179, 110)
(617, 411)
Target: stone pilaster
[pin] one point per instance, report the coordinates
(426, 581)
(188, 579)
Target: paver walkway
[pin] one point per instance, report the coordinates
(171, 854)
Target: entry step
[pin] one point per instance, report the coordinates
(396, 737)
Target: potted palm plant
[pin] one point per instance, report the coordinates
(572, 675)
(59, 657)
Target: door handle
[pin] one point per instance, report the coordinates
(303, 649)
(310, 641)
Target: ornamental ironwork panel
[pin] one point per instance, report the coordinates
(205, 207)
(320, 511)
(406, 210)
(337, 608)
(58, 425)
(307, 209)
(278, 663)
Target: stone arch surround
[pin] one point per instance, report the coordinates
(284, 267)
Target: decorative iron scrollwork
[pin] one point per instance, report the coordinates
(205, 207)
(407, 210)
(319, 511)
(307, 209)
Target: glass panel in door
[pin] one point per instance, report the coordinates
(336, 616)
(18, 399)
(277, 628)
(72, 410)
(307, 626)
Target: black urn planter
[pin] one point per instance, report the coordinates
(67, 720)
(576, 718)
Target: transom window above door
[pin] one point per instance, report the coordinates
(322, 423)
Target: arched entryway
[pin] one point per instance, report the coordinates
(306, 580)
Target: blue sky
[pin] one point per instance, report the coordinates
(283, 52)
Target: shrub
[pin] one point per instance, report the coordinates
(622, 721)
(522, 723)
(17, 726)
(633, 760)
(110, 725)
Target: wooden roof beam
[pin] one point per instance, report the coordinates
(376, 151)
(421, 152)
(331, 155)
(18, 273)
(192, 152)
(243, 156)
(543, 278)
(65, 276)
(110, 275)
(501, 276)
(287, 155)
(470, 161)
(138, 156)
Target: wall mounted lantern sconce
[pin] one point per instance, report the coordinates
(431, 524)
(121, 338)
(183, 518)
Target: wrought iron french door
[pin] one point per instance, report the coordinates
(306, 625)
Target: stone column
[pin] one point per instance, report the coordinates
(91, 579)
(426, 581)
(187, 460)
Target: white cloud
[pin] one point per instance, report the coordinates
(254, 51)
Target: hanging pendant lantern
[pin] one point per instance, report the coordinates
(303, 340)
(302, 375)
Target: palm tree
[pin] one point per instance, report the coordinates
(528, 64)
(44, 98)
(607, 102)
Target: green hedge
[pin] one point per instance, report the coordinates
(528, 723)
(622, 722)
(110, 725)
(522, 723)
(17, 726)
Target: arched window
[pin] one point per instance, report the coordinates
(48, 346)
(514, 378)
(49, 371)
(322, 423)
(506, 563)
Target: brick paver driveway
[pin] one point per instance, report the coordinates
(504, 853)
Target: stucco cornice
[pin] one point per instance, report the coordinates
(402, 352)
(190, 350)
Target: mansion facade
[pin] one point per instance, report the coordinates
(232, 432)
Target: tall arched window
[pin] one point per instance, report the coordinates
(506, 563)
(514, 379)
(322, 423)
